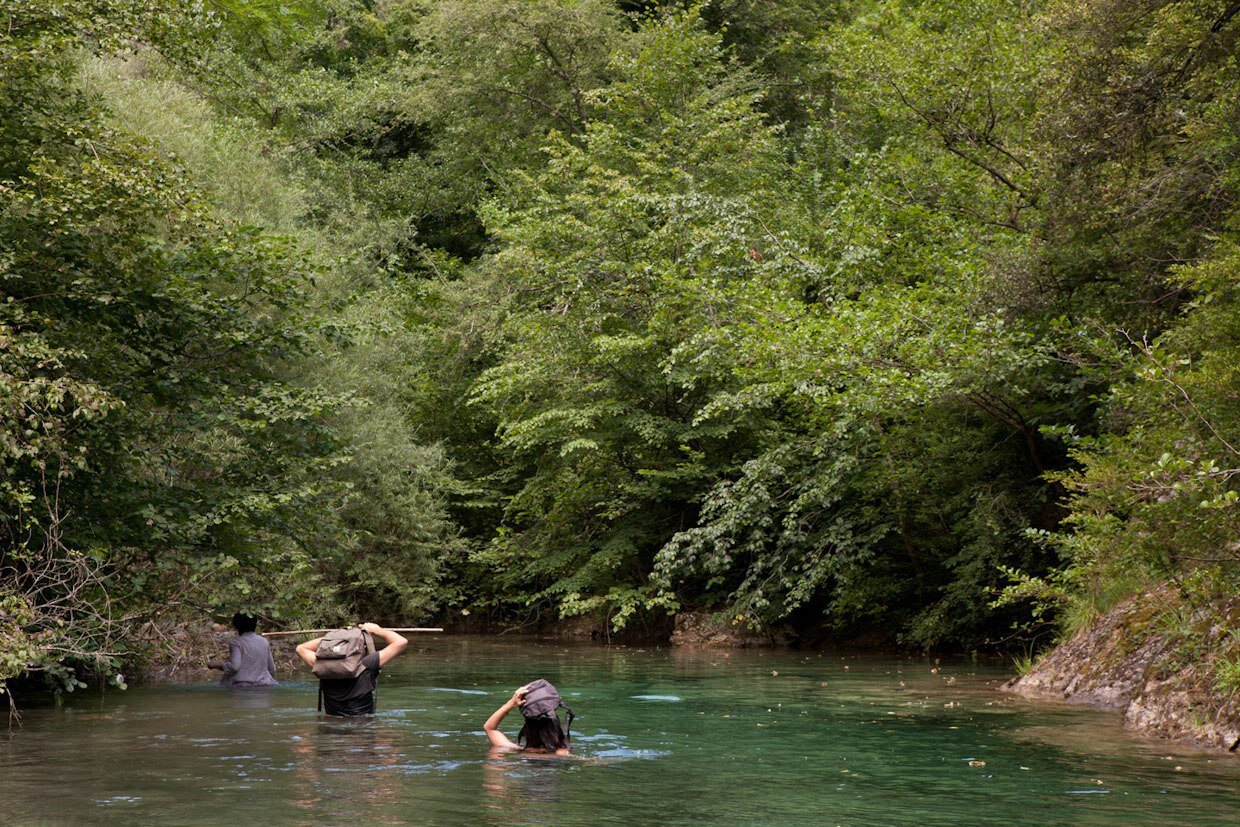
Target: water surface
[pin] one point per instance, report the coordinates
(672, 737)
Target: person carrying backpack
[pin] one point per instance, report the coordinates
(347, 664)
(542, 733)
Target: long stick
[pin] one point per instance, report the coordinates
(324, 631)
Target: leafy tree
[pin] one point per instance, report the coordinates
(612, 253)
(163, 456)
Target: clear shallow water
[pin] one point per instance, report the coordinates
(677, 738)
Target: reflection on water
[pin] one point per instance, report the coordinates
(524, 786)
(353, 764)
(683, 738)
(252, 697)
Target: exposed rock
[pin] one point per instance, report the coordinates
(580, 626)
(1127, 660)
(704, 629)
(645, 629)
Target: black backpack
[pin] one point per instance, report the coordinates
(541, 700)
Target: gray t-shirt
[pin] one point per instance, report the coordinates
(249, 662)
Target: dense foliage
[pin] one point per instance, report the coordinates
(913, 320)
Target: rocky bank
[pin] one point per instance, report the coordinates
(1156, 661)
(702, 629)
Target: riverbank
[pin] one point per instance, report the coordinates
(1165, 666)
(179, 652)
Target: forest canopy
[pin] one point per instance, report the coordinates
(907, 321)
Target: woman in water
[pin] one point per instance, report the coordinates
(542, 732)
(249, 663)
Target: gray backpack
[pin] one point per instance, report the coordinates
(340, 654)
(542, 700)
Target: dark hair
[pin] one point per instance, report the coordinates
(543, 733)
(244, 623)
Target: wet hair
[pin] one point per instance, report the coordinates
(543, 733)
(244, 623)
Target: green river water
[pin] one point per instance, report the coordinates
(670, 737)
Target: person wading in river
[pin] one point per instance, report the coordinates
(249, 661)
(356, 695)
(542, 733)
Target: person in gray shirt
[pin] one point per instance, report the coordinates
(249, 657)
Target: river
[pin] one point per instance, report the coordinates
(671, 737)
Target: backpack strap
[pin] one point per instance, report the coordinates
(568, 729)
(370, 650)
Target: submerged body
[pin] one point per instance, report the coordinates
(250, 663)
(348, 697)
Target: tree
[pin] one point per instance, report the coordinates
(157, 452)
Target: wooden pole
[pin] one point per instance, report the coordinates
(324, 631)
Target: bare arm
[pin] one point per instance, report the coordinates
(395, 644)
(491, 727)
(306, 650)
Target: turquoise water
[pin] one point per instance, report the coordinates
(671, 737)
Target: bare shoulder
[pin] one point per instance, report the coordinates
(558, 755)
(500, 750)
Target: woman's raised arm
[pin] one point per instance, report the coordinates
(491, 727)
